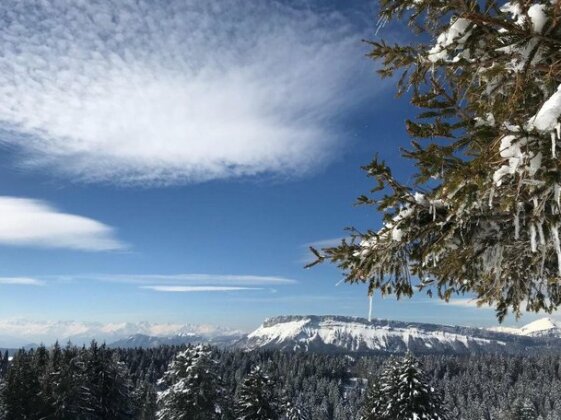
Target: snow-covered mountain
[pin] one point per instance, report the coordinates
(337, 333)
(545, 327)
(16, 333)
(147, 341)
(300, 333)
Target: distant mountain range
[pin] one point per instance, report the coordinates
(18, 333)
(348, 334)
(299, 333)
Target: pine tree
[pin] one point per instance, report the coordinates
(295, 412)
(483, 214)
(255, 399)
(193, 387)
(145, 401)
(67, 390)
(523, 410)
(403, 393)
(3, 409)
(22, 394)
(108, 381)
(415, 398)
(374, 406)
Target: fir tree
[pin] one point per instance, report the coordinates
(193, 387)
(109, 383)
(146, 401)
(255, 399)
(415, 398)
(67, 390)
(295, 412)
(374, 405)
(3, 409)
(483, 215)
(523, 410)
(22, 394)
(403, 393)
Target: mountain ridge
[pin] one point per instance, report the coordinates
(330, 333)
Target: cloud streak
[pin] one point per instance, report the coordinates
(137, 92)
(35, 223)
(198, 289)
(21, 281)
(191, 278)
(463, 303)
(325, 243)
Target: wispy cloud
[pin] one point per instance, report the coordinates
(198, 289)
(27, 222)
(308, 256)
(191, 278)
(143, 92)
(462, 302)
(21, 281)
(324, 243)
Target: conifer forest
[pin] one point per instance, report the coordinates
(97, 382)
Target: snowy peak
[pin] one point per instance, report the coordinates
(545, 327)
(336, 333)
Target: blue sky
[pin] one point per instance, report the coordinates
(172, 163)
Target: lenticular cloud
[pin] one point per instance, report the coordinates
(144, 92)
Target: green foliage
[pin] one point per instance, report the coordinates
(483, 215)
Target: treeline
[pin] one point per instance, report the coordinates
(97, 382)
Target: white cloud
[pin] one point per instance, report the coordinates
(308, 257)
(463, 302)
(218, 279)
(27, 222)
(196, 289)
(142, 92)
(325, 243)
(21, 281)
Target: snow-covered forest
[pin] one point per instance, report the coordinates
(207, 383)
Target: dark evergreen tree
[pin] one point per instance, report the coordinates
(522, 410)
(109, 383)
(146, 402)
(256, 400)
(193, 387)
(484, 213)
(403, 394)
(374, 405)
(3, 409)
(415, 398)
(67, 389)
(22, 393)
(295, 412)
